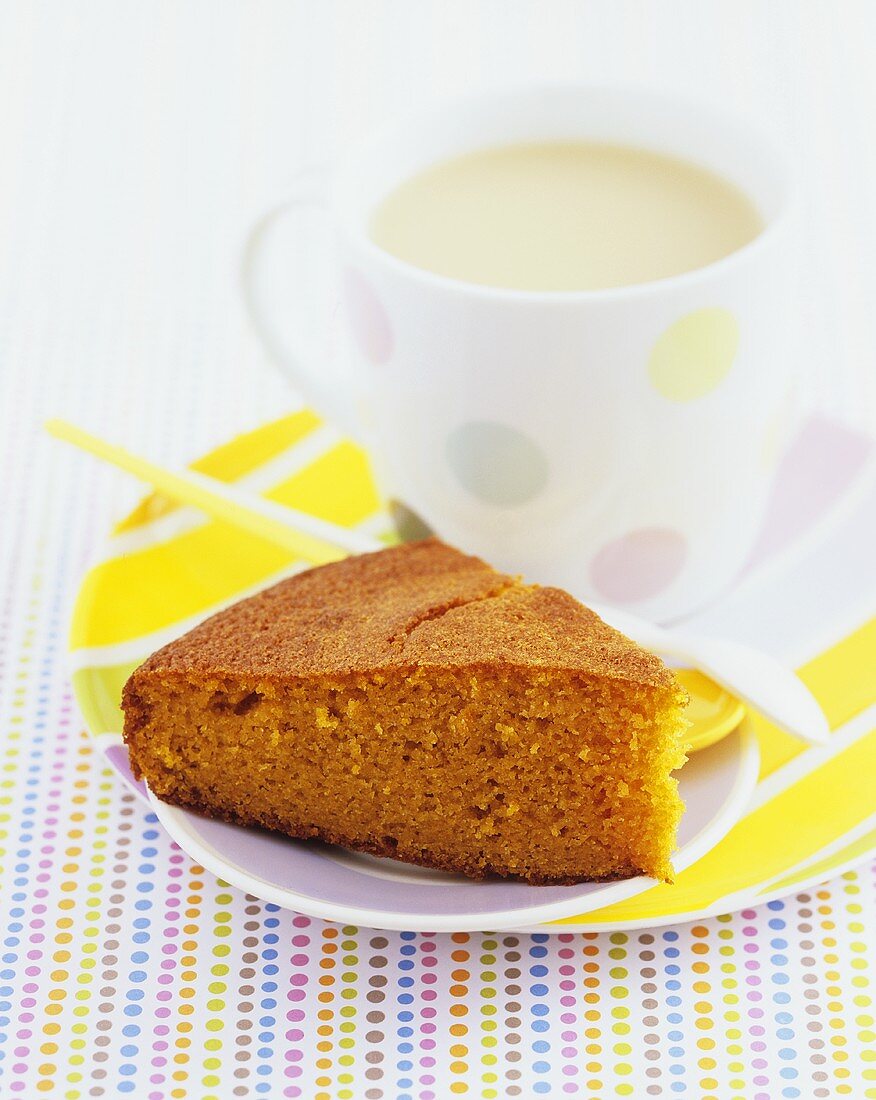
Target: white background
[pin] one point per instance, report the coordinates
(138, 139)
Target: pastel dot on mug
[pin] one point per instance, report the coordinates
(694, 354)
(497, 463)
(639, 565)
(368, 319)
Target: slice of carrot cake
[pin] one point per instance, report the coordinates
(415, 703)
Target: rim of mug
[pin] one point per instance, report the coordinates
(356, 227)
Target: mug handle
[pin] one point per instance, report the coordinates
(303, 358)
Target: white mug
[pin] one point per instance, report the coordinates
(614, 442)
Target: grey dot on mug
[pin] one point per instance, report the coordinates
(497, 463)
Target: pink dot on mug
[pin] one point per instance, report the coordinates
(369, 322)
(638, 565)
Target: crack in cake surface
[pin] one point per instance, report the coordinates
(507, 584)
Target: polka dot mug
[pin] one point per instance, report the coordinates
(616, 442)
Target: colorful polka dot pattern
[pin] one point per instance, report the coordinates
(503, 467)
(127, 970)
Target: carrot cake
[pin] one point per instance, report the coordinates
(417, 704)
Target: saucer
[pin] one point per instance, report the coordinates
(166, 568)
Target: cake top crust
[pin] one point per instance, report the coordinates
(421, 604)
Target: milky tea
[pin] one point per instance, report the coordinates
(564, 216)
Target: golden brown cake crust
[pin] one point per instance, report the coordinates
(420, 604)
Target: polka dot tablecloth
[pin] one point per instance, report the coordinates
(128, 970)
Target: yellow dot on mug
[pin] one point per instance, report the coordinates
(694, 354)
